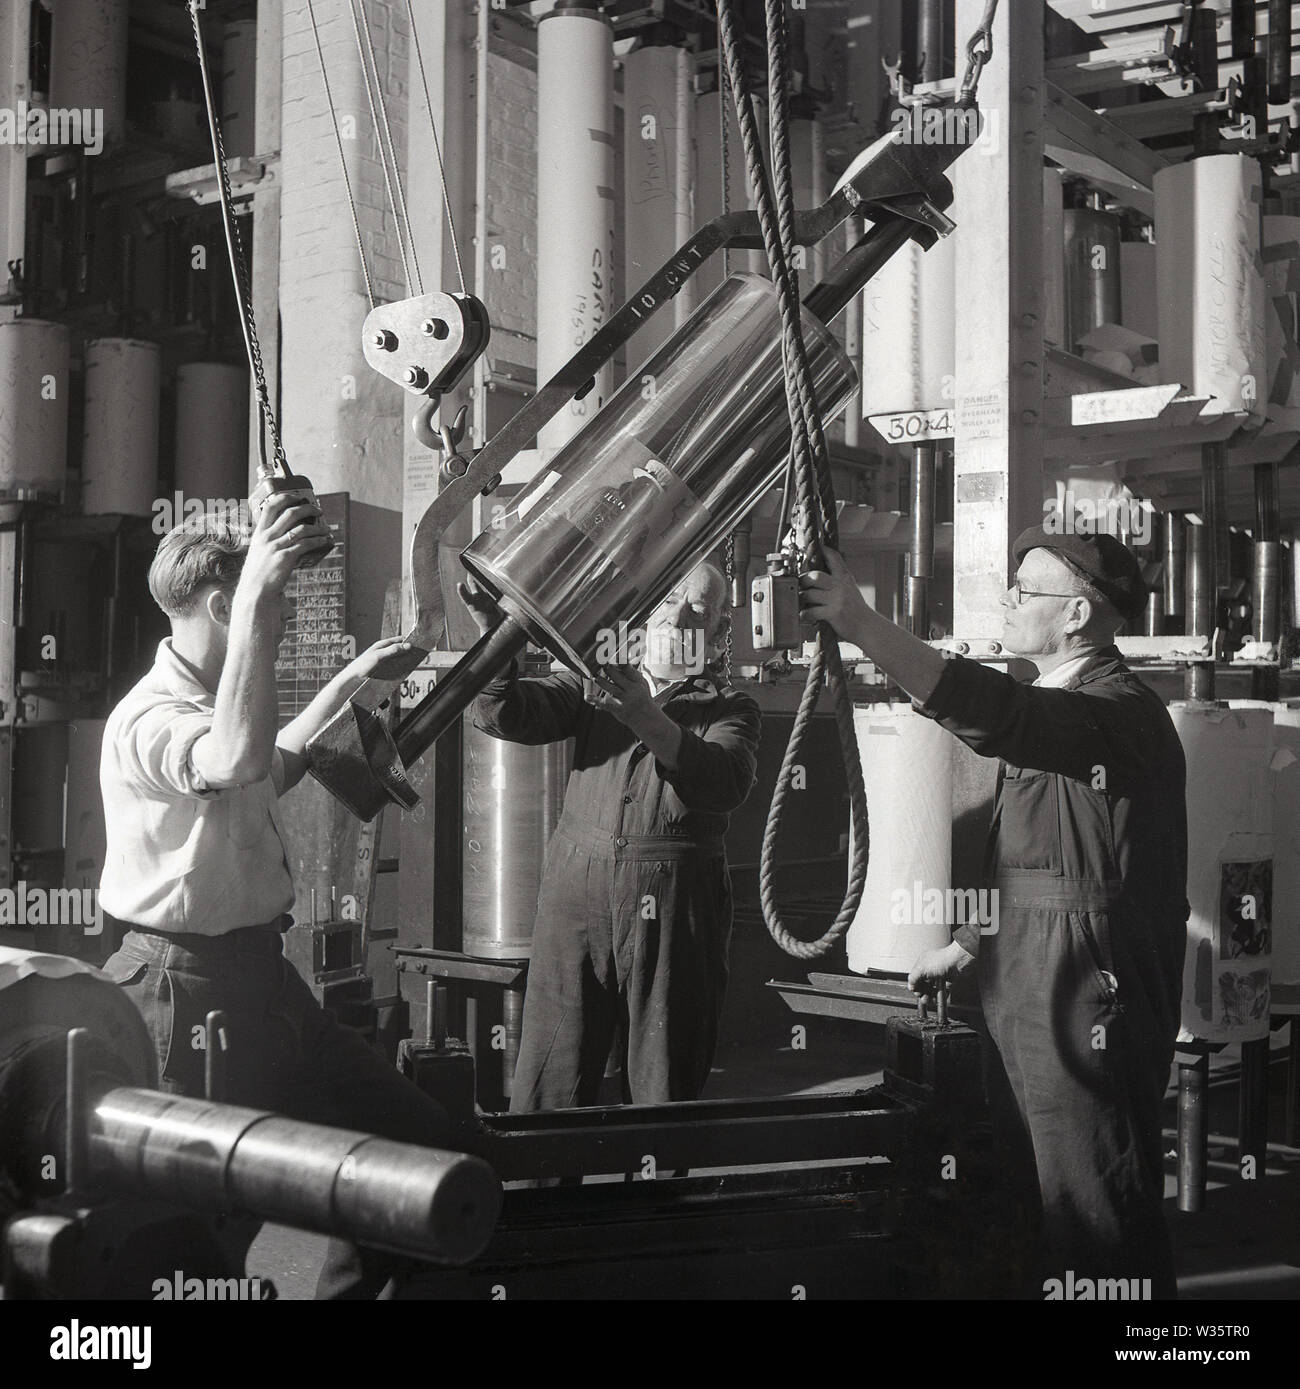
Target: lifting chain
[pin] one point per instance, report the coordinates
(979, 49)
(238, 265)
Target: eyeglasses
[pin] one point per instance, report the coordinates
(1022, 593)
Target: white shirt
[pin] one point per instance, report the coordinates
(1059, 678)
(181, 856)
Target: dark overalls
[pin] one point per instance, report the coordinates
(634, 913)
(1082, 981)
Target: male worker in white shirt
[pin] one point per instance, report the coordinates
(195, 867)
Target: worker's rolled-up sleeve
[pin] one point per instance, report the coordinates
(1069, 732)
(716, 770)
(531, 711)
(158, 748)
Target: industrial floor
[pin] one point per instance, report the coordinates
(1244, 1244)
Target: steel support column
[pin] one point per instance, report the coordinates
(451, 36)
(14, 87)
(999, 357)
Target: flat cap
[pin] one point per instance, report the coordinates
(1111, 566)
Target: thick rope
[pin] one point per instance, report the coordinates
(808, 444)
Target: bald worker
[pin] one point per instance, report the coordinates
(634, 913)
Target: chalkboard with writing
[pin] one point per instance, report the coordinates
(315, 646)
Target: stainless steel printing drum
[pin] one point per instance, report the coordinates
(683, 450)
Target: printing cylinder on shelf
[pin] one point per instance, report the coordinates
(239, 88)
(659, 477)
(211, 431)
(1211, 288)
(1053, 259)
(909, 334)
(1175, 568)
(1230, 873)
(1265, 590)
(513, 796)
(575, 202)
(34, 357)
(119, 466)
(1291, 567)
(1198, 601)
(1093, 285)
(905, 907)
(88, 60)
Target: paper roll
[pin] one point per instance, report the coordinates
(906, 907)
(1286, 837)
(88, 54)
(239, 88)
(211, 430)
(909, 331)
(1141, 311)
(1211, 282)
(575, 207)
(34, 357)
(119, 466)
(1282, 281)
(1230, 884)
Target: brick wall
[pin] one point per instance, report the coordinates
(340, 418)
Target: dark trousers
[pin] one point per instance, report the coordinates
(1086, 1047)
(630, 937)
(286, 1054)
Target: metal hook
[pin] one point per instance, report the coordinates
(454, 464)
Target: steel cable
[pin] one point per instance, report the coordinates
(239, 267)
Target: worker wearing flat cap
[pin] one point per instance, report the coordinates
(634, 912)
(1081, 982)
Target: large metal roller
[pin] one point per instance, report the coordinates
(129, 1141)
(219, 1157)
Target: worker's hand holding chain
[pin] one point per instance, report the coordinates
(287, 529)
